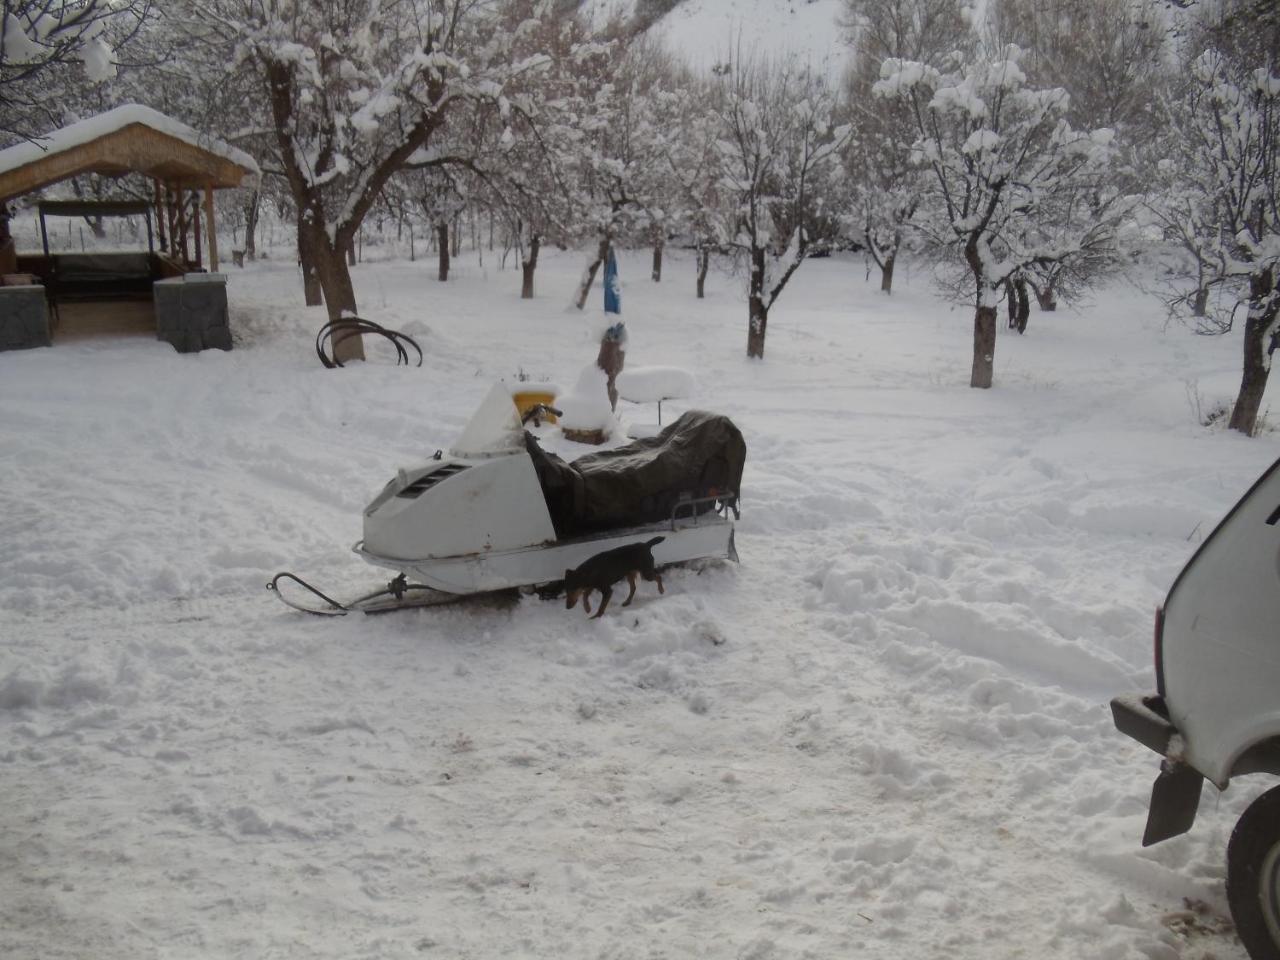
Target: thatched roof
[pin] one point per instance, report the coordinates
(128, 139)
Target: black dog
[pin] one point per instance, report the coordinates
(603, 570)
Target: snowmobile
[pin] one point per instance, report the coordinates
(498, 512)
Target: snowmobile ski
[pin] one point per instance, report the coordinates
(399, 594)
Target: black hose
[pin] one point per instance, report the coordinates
(336, 331)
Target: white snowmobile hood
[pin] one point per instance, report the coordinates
(494, 429)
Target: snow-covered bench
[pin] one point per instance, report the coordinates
(653, 385)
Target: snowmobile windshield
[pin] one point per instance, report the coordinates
(494, 429)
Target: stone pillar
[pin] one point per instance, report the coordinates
(191, 312)
(24, 318)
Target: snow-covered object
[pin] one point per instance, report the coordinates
(494, 429)
(586, 406)
(18, 47)
(651, 384)
(99, 64)
(91, 128)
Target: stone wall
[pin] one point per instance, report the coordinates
(24, 318)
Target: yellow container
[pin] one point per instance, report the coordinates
(526, 400)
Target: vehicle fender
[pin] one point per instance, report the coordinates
(1250, 748)
(1261, 756)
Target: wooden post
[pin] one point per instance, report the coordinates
(212, 229)
(180, 227)
(195, 228)
(161, 218)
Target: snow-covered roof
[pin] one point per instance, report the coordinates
(130, 138)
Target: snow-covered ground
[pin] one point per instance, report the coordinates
(884, 734)
(706, 32)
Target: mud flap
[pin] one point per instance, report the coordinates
(1175, 798)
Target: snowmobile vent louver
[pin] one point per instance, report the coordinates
(423, 484)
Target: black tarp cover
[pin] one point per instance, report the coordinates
(698, 455)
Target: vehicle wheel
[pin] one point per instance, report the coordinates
(1253, 876)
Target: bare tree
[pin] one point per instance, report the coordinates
(1107, 54)
(1224, 206)
(883, 188)
(1002, 158)
(692, 166)
(358, 90)
(777, 141)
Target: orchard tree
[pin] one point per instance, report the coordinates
(1108, 55)
(691, 167)
(1002, 156)
(538, 176)
(1224, 207)
(777, 143)
(358, 89)
(882, 189)
(1076, 239)
(622, 143)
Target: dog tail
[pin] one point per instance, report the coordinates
(654, 540)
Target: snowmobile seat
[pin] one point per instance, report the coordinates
(697, 457)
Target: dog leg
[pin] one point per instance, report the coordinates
(631, 579)
(586, 600)
(605, 594)
(653, 576)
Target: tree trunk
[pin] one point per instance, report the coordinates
(589, 276)
(984, 347)
(442, 241)
(658, 243)
(1046, 297)
(251, 225)
(527, 266)
(339, 294)
(1201, 305)
(984, 318)
(1023, 306)
(886, 273)
(1011, 301)
(340, 299)
(611, 359)
(1253, 382)
(350, 250)
(311, 289)
(704, 261)
(757, 311)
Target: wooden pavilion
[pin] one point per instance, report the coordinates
(184, 167)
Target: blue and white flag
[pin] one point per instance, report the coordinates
(612, 295)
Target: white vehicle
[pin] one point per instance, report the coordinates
(497, 512)
(1215, 714)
